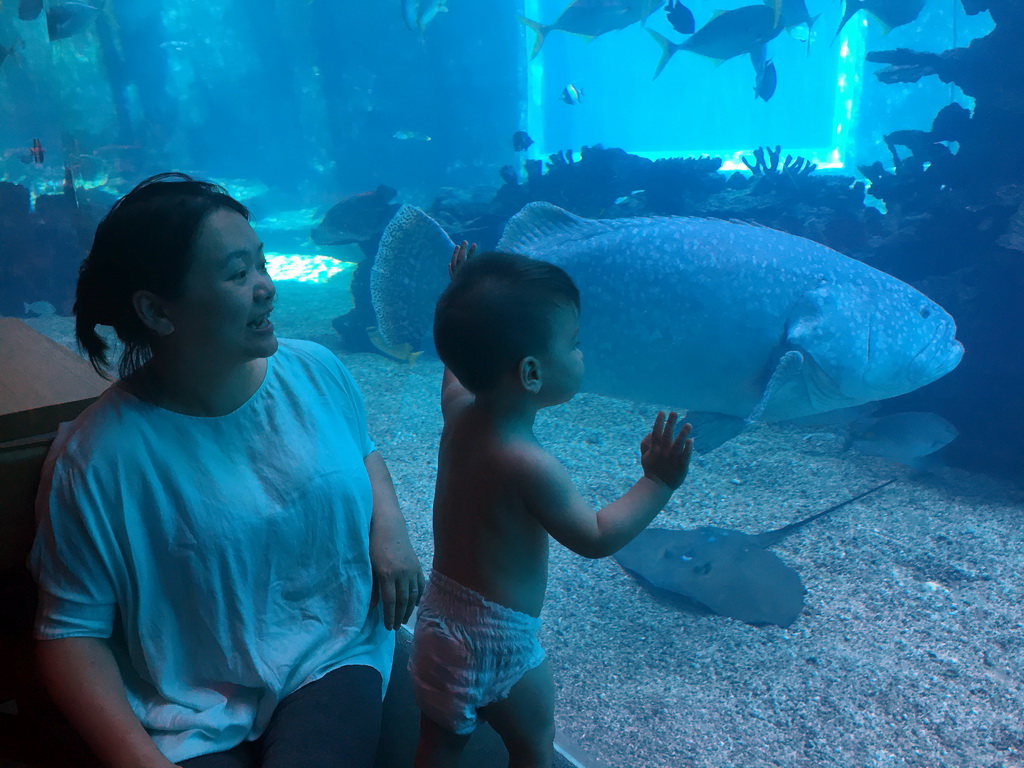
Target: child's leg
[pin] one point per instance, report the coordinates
(526, 719)
(438, 747)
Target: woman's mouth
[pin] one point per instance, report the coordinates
(261, 323)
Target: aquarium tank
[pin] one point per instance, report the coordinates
(800, 223)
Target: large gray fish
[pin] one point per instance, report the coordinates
(892, 13)
(731, 33)
(737, 321)
(590, 18)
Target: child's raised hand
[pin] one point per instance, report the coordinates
(462, 252)
(663, 457)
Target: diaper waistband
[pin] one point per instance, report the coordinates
(463, 605)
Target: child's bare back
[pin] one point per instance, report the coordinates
(486, 536)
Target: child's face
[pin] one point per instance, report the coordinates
(562, 365)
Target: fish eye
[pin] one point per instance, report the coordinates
(925, 312)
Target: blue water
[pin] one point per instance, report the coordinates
(295, 105)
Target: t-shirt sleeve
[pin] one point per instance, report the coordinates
(351, 395)
(76, 592)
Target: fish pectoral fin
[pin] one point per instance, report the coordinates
(787, 371)
(403, 352)
(711, 429)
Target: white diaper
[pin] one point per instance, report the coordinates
(467, 652)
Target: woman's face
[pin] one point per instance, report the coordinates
(223, 313)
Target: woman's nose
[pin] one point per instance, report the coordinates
(265, 287)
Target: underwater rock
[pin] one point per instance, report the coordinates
(1013, 237)
(954, 221)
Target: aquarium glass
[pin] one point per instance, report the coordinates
(324, 116)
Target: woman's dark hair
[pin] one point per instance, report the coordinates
(498, 310)
(145, 243)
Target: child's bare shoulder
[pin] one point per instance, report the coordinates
(532, 467)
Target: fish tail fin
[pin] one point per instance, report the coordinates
(540, 29)
(667, 49)
(409, 273)
(851, 7)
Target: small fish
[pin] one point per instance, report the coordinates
(6, 51)
(766, 81)
(591, 18)
(681, 17)
(175, 45)
(572, 95)
(521, 141)
(36, 154)
(411, 136)
(39, 309)
(29, 9)
(891, 13)
(67, 19)
(731, 33)
(417, 14)
(403, 351)
(903, 437)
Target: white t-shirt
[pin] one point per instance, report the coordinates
(226, 558)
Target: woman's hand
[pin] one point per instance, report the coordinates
(397, 577)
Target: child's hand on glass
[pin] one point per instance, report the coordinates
(665, 455)
(462, 252)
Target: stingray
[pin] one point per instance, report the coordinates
(728, 572)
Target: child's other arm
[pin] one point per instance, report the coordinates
(554, 500)
(454, 396)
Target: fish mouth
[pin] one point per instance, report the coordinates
(938, 357)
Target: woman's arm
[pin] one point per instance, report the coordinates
(83, 679)
(398, 578)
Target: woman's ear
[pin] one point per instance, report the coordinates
(150, 309)
(530, 374)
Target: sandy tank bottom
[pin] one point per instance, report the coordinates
(910, 649)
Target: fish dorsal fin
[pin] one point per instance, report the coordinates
(408, 274)
(543, 222)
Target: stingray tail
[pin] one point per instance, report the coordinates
(409, 273)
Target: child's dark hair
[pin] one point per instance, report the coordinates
(498, 310)
(146, 243)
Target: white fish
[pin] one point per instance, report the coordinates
(417, 14)
(39, 309)
(740, 322)
(903, 437)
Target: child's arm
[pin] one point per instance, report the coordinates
(454, 396)
(554, 500)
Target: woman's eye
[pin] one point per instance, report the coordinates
(239, 275)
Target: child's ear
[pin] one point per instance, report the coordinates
(529, 374)
(150, 309)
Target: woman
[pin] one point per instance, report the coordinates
(220, 553)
